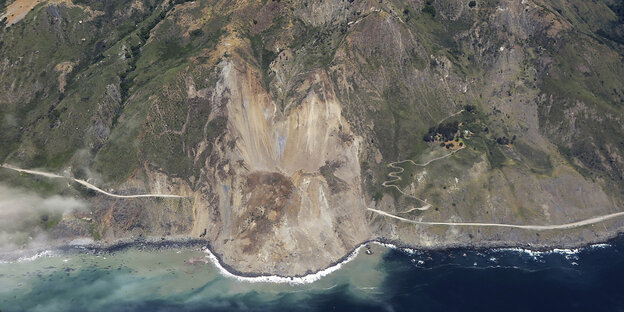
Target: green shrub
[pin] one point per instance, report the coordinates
(429, 8)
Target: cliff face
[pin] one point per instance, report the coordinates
(277, 121)
(287, 183)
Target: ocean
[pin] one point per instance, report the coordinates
(587, 279)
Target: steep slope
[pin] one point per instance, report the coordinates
(277, 120)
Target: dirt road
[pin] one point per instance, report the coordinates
(394, 178)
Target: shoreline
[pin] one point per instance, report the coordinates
(180, 241)
(158, 243)
(311, 277)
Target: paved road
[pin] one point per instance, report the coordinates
(86, 184)
(517, 226)
(395, 177)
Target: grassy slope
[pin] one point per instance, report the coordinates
(46, 37)
(586, 72)
(400, 105)
(119, 67)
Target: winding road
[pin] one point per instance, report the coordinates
(85, 183)
(394, 178)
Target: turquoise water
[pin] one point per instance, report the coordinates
(389, 280)
(132, 280)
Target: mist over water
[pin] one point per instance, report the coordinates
(589, 279)
(22, 212)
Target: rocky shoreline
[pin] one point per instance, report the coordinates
(157, 243)
(450, 247)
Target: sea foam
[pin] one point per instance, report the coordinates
(561, 251)
(45, 253)
(298, 280)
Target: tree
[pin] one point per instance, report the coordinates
(429, 8)
(470, 108)
(502, 140)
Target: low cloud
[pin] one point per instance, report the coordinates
(22, 212)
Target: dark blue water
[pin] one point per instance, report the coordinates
(591, 279)
(463, 280)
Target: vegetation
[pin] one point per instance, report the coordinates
(446, 131)
(429, 8)
(125, 103)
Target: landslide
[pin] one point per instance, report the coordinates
(276, 120)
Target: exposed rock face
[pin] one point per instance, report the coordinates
(278, 119)
(273, 202)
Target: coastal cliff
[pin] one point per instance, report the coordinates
(293, 131)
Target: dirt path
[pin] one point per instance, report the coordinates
(503, 225)
(449, 116)
(423, 208)
(394, 175)
(86, 184)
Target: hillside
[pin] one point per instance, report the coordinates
(276, 121)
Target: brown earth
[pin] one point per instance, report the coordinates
(276, 121)
(18, 9)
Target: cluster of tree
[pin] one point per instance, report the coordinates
(470, 108)
(452, 144)
(429, 8)
(447, 131)
(502, 140)
(505, 141)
